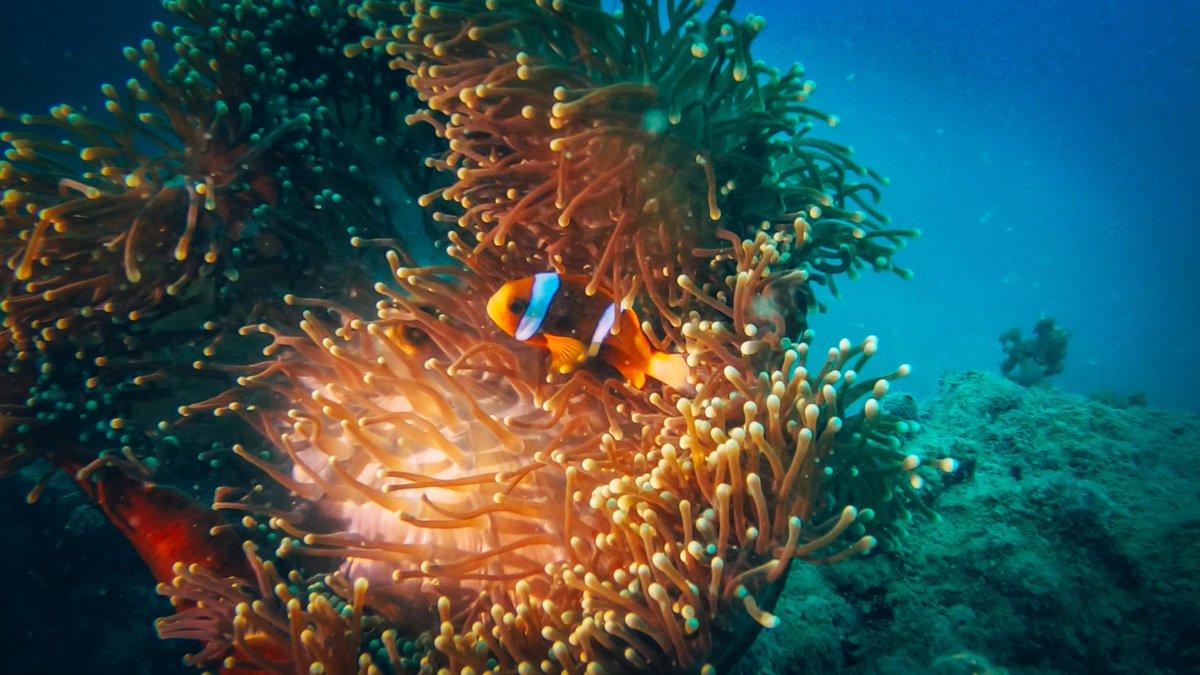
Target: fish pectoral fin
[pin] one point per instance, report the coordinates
(565, 353)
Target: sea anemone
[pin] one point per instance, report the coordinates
(429, 494)
(617, 145)
(135, 243)
(503, 520)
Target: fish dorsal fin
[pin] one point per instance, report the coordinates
(632, 329)
(565, 352)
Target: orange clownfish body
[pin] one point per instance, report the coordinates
(553, 311)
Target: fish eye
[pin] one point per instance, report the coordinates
(518, 306)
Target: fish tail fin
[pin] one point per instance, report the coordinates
(670, 369)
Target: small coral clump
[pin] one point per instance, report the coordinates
(1029, 361)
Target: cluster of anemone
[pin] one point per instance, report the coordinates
(136, 241)
(505, 521)
(426, 494)
(618, 145)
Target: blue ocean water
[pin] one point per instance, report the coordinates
(1049, 153)
(1047, 150)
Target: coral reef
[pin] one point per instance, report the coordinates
(1029, 361)
(1049, 557)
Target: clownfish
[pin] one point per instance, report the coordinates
(553, 311)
